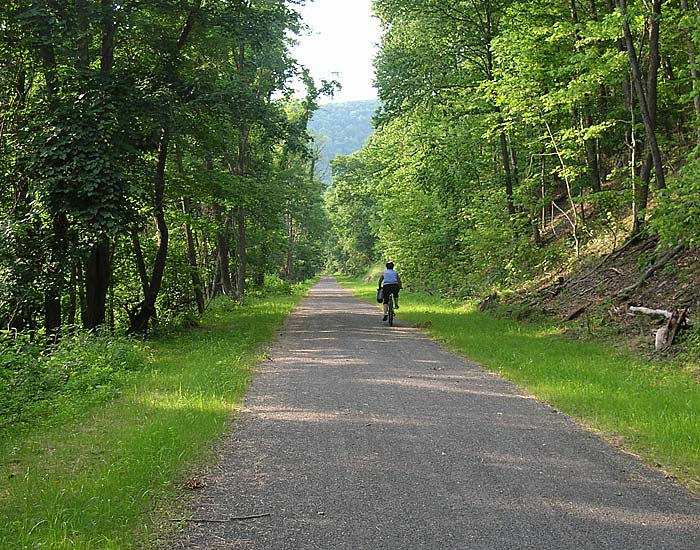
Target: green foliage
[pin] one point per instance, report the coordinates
(509, 134)
(76, 164)
(115, 115)
(82, 370)
(351, 209)
(274, 285)
(677, 218)
(19, 274)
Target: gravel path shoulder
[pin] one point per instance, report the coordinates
(359, 436)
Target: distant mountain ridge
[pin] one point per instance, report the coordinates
(341, 129)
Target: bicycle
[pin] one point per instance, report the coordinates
(390, 309)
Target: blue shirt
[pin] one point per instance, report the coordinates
(391, 277)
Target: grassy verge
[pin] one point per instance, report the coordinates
(652, 410)
(98, 481)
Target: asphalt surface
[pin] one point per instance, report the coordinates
(355, 435)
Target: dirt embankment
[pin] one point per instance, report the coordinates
(595, 297)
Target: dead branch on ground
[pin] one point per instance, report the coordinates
(666, 334)
(227, 520)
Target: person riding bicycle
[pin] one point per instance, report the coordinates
(392, 285)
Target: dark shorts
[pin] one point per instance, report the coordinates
(389, 290)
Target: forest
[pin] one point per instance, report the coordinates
(514, 137)
(152, 157)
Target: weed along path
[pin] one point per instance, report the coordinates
(359, 436)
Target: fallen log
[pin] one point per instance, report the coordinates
(486, 302)
(576, 313)
(666, 334)
(648, 311)
(677, 321)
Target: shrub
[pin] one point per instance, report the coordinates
(677, 217)
(38, 381)
(273, 285)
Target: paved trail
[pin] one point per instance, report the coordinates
(358, 436)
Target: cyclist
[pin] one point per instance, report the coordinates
(392, 285)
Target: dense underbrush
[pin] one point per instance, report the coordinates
(38, 380)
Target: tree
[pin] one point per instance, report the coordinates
(647, 97)
(95, 97)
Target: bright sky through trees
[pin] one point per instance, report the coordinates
(340, 44)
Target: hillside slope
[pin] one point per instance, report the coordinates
(341, 129)
(594, 296)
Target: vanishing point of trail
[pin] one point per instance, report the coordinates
(359, 436)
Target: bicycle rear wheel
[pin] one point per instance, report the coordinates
(391, 311)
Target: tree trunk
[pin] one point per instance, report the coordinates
(98, 272)
(641, 195)
(573, 218)
(72, 297)
(647, 98)
(240, 168)
(592, 156)
(109, 30)
(586, 119)
(240, 251)
(48, 60)
(189, 239)
(146, 310)
(98, 267)
(202, 244)
(83, 42)
(81, 292)
(223, 261)
(54, 286)
(489, 32)
(648, 108)
(594, 10)
(536, 235)
(109, 323)
(653, 77)
(140, 263)
(259, 276)
(52, 295)
(505, 159)
(290, 247)
(192, 259)
(573, 13)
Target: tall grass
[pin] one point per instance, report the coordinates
(98, 481)
(649, 408)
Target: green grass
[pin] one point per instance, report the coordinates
(650, 409)
(109, 479)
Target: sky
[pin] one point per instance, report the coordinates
(342, 39)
